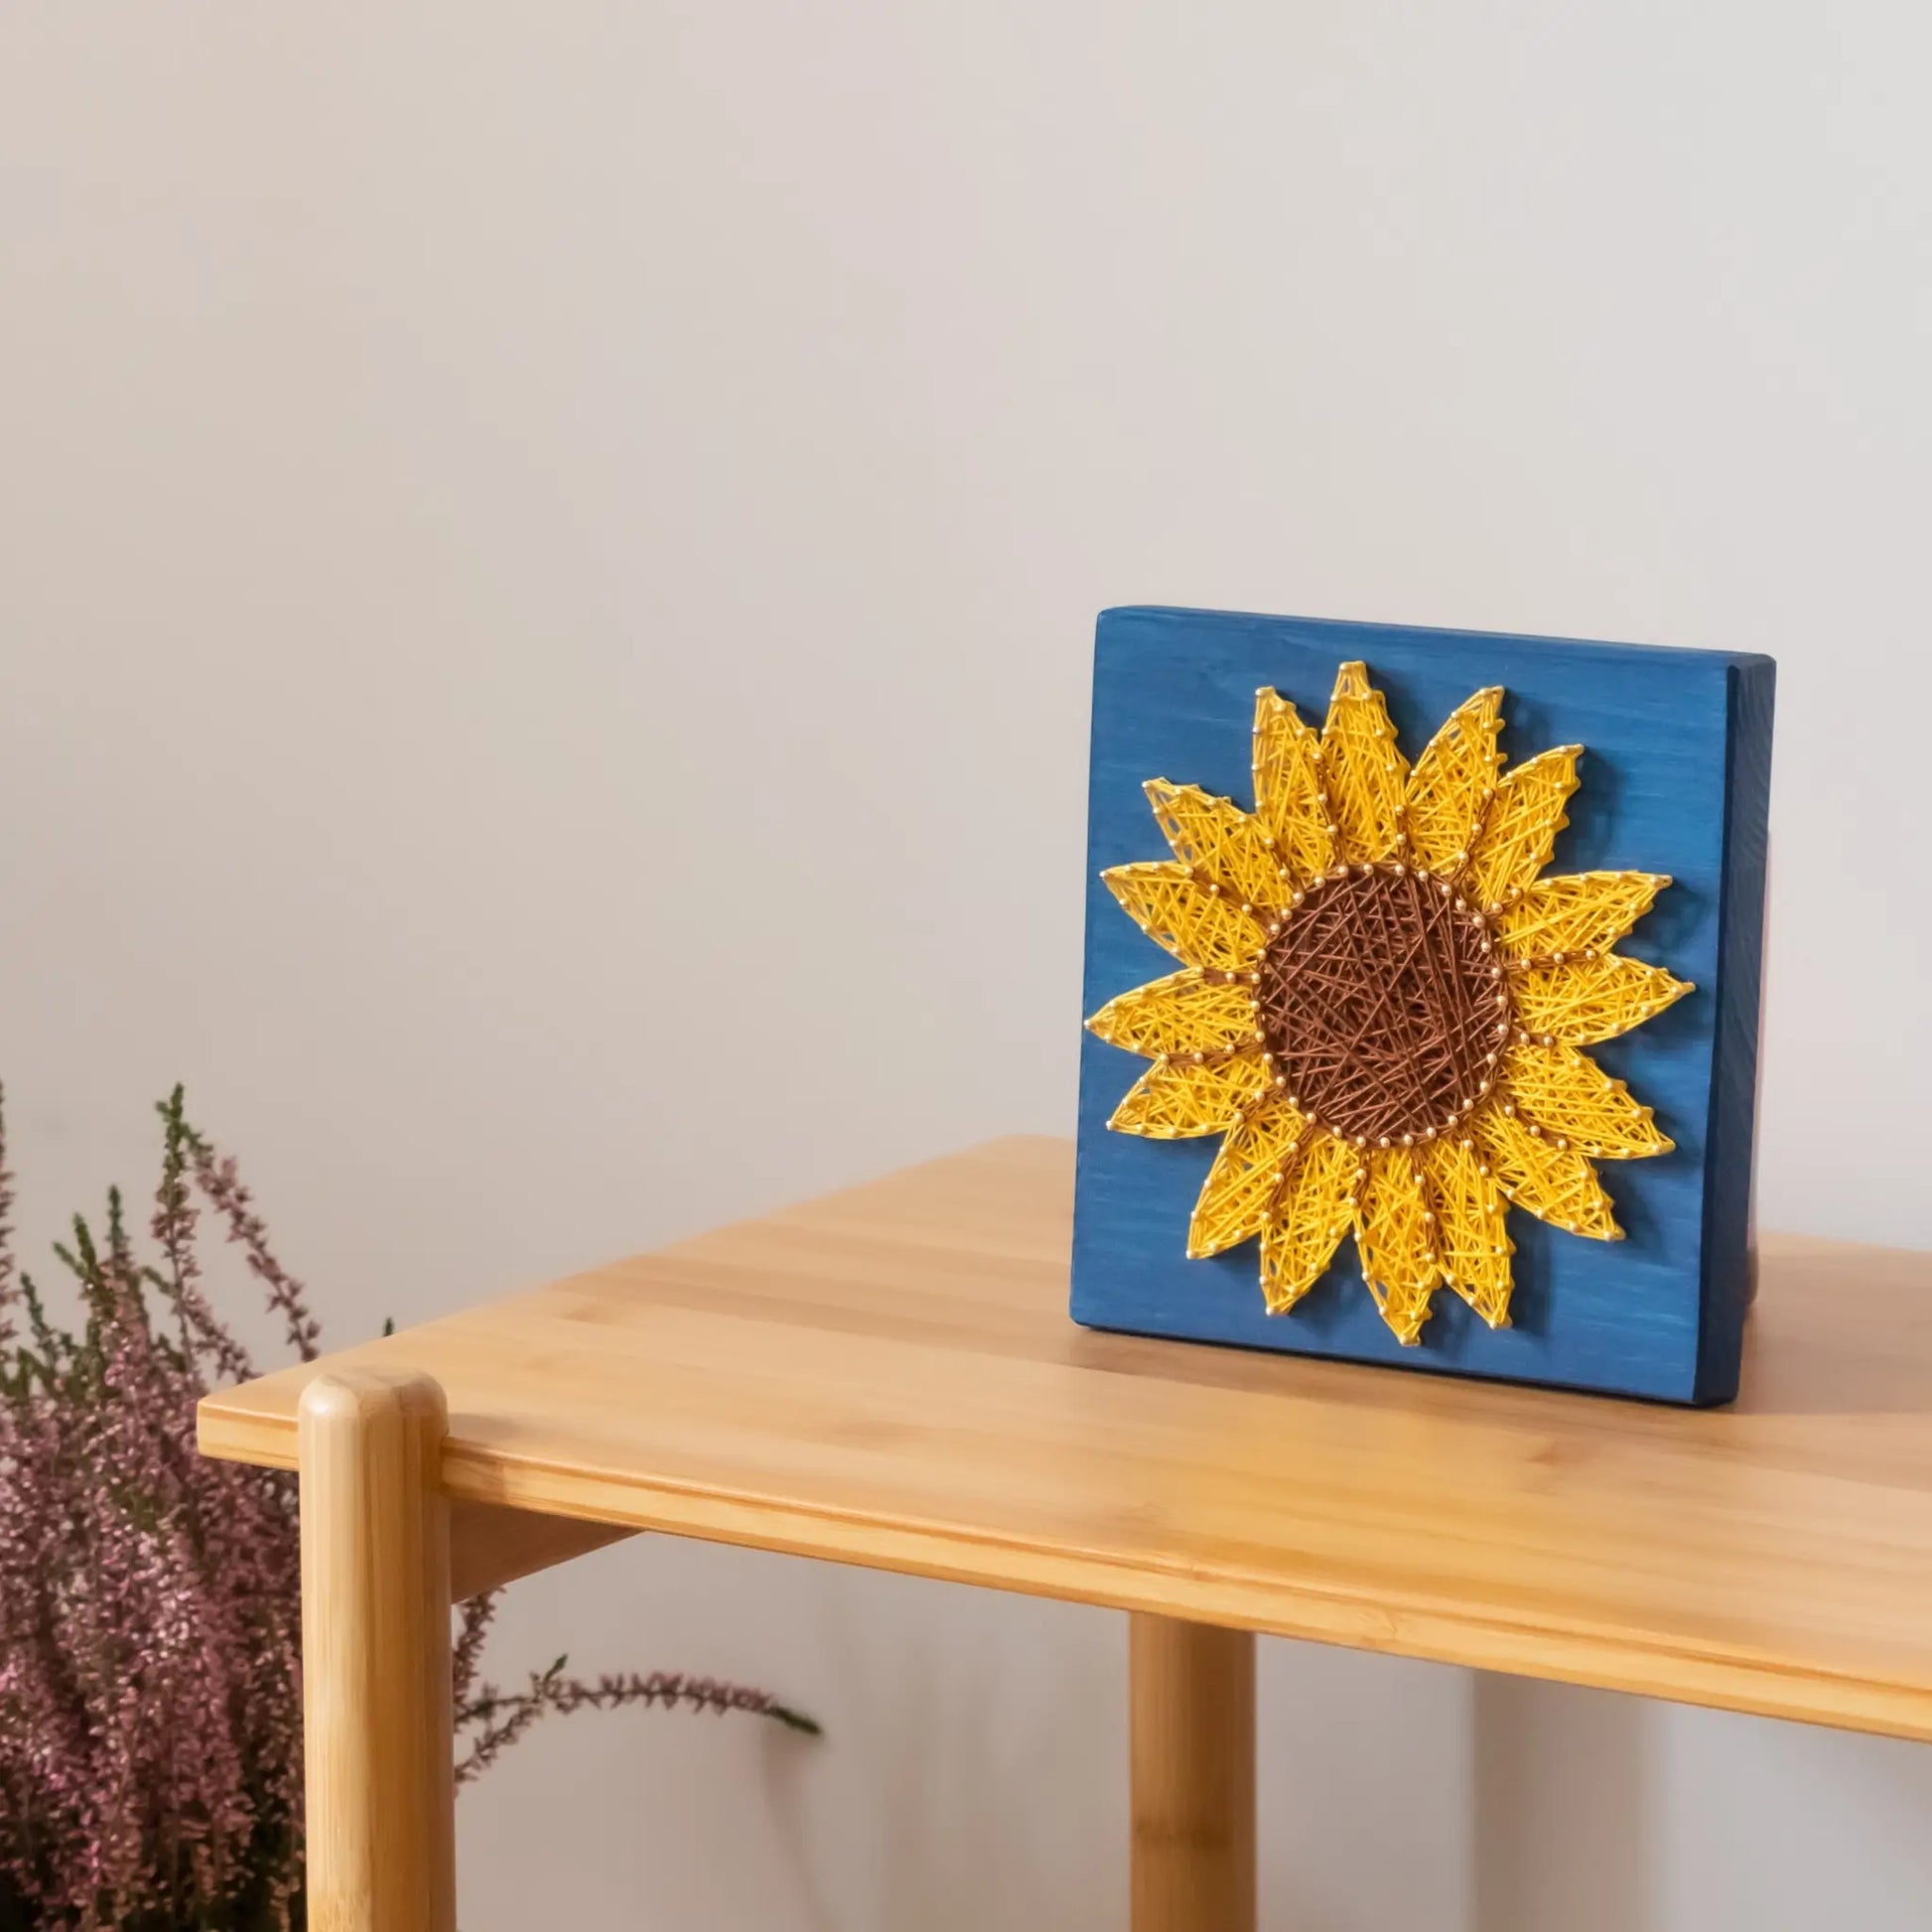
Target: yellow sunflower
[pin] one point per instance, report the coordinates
(1383, 1007)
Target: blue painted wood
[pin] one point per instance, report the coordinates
(1675, 778)
(1733, 1082)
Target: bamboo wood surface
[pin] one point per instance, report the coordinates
(491, 1545)
(1191, 1742)
(887, 1376)
(375, 1655)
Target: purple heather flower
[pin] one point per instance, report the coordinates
(149, 1601)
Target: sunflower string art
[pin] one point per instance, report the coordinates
(1382, 1006)
(1388, 1010)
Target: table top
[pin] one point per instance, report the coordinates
(887, 1376)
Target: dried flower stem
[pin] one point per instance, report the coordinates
(150, 1631)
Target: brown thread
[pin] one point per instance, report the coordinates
(1382, 1005)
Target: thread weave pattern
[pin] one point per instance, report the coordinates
(1381, 1005)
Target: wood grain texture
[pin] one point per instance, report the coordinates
(1675, 769)
(888, 1377)
(378, 1747)
(490, 1546)
(1191, 1748)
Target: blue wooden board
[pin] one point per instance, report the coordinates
(1674, 779)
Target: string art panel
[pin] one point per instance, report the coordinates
(1409, 884)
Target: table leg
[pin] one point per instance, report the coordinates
(375, 1655)
(1191, 1740)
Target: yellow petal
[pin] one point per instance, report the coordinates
(1572, 1100)
(1180, 1100)
(1248, 1172)
(1576, 911)
(1219, 841)
(1362, 774)
(1312, 1211)
(1471, 1227)
(1200, 926)
(1451, 784)
(1288, 789)
(1395, 1240)
(1588, 999)
(1519, 831)
(1556, 1184)
(1186, 1013)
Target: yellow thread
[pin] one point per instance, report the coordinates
(1288, 791)
(1432, 1210)
(1396, 1237)
(1576, 911)
(1519, 830)
(1556, 1184)
(1565, 1093)
(1219, 842)
(1473, 1226)
(1186, 1013)
(1451, 783)
(1248, 1172)
(1182, 1099)
(1584, 1000)
(1175, 910)
(1311, 1214)
(1363, 772)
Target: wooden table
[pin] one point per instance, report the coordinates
(888, 1377)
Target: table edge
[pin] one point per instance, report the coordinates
(1390, 1623)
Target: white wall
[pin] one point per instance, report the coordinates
(546, 563)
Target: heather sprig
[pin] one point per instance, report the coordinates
(150, 1631)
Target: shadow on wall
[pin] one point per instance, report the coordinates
(1560, 1815)
(1601, 1813)
(959, 1712)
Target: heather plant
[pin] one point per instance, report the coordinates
(150, 1636)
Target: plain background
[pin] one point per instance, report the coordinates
(547, 558)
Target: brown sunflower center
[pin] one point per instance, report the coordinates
(1382, 1005)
